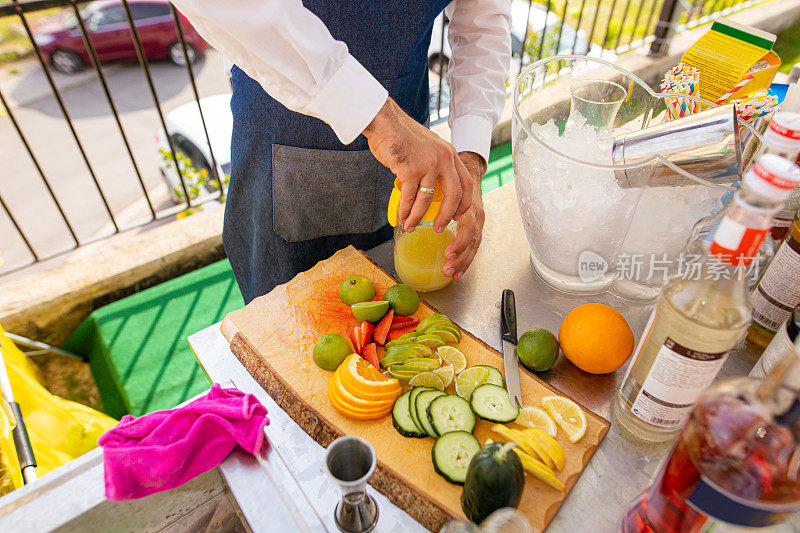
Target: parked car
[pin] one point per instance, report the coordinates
(61, 41)
(540, 18)
(185, 129)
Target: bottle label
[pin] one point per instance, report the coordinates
(677, 377)
(712, 500)
(778, 292)
(736, 244)
(779, 347)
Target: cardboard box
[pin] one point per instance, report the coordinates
(727, 54)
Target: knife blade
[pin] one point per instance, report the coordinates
(508, 333)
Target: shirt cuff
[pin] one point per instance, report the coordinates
(472, 133)
(349, 100)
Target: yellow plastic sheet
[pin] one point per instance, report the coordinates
(60, 430)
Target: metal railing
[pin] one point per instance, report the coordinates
(594, 27)
(21, 9)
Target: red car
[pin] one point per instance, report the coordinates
(109, 32)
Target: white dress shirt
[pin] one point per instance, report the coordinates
(288, 50)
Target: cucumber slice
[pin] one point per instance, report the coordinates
(452, 453)
(412, 406)
(495, 376)
(401, 418)
(451, 413)
(422, 402)
(491, 402)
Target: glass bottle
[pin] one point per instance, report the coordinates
(777, 292)
(702, 312)
(782, 343)
(781, 138)
(419, 255)
(735, 461)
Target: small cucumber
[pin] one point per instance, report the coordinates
(491, 402)
(412, 405)
(422, 402)
(451, 413)
(452, 453)
(401, 418)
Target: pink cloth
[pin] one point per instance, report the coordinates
(163, 450)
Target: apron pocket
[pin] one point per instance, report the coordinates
(318, 193)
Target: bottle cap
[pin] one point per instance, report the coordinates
(773, 176)
(783, 134)
(394, 203)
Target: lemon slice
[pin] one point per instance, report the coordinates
(453, 356)
(427, 379)
(567, 414)
(446, 373)
(547, 443)
(469, 380)
(534, 417)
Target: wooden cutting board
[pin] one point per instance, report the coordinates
(274, 336)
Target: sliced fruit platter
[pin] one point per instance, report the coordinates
(394, 351)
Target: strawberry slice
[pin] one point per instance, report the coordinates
(398, 319)
(367, 330)
(405, 323)
(371, 355)
(383, 327)
(355, 336)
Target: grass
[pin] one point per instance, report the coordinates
(788, 47)
(14, 43)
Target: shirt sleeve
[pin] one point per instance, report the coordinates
(479, 34)
(289, 51)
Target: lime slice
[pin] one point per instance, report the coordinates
(534, 417)
(425, 323)
(427, 379)
(420, 349)
(451, 355)
(446, 373)
(370, 311)
(432, 341)
(469, 380)
(447, 331)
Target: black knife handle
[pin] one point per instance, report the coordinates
(508, 317)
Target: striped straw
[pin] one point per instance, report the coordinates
(735, 89)
(682, 79)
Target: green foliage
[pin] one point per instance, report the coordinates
(788, 47)
(196, 181)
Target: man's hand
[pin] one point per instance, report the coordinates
(462, 250)
(419, 158)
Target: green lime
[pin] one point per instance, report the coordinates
(403, 299)
(355, 289)
(370, 311)
(537, 350)
(330, 350)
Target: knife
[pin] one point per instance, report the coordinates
(508, 333)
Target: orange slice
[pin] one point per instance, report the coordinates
(355, 412)
(345, 397)
(364, 381)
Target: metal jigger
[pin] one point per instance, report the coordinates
(350, 462)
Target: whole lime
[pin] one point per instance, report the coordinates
(372, 311)
(403, 299)
(537, 350)
(356, 289)
(330, 350)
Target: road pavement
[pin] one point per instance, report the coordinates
(54, 147)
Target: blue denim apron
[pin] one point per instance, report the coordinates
(297, 194)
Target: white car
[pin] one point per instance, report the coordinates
(572, 41)
(185, 129)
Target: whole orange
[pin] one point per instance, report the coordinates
(595, 338)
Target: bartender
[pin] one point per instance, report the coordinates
(330, 99)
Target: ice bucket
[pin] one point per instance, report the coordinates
(595, 223)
